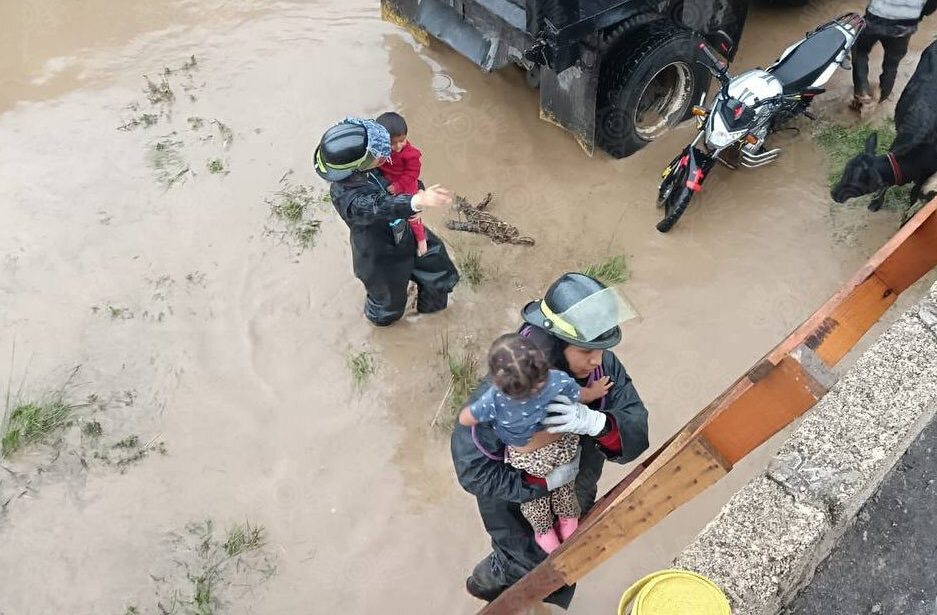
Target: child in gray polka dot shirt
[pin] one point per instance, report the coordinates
(522, 386)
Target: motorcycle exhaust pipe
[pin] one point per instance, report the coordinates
(752, 160)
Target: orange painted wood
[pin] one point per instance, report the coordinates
(766, 407)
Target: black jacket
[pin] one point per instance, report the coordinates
(368, 210)
(384, 257)
(499, 488)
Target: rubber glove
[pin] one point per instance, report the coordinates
(560, 475)
(564, 416)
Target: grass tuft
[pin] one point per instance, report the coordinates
(473, 272)
(464, 376)
(165, 156)
(293, 206)
(160, 92)
(32, 422)
(215, 563)
(243, 538)
(92, 429)
(363, 365)
(613, 271)
(216, 165)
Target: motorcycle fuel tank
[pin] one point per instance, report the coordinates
(753, 86)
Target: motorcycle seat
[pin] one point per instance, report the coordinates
(808, 61)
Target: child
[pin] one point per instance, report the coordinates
(402, 171)
(522, 386)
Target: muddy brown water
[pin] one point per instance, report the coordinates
(244, 375)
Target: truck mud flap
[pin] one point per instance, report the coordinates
(568, 100)
(445, 23)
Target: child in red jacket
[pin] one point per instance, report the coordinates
(403, 169)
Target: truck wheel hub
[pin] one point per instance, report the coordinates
(664, 100)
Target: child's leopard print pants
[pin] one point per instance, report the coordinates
(561, 502)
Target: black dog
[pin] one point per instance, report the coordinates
(912, 156)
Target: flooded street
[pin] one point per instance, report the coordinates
(233, 342)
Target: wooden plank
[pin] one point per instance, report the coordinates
(681, 478)
(775, 391)
(905, 265)
(782, 395)
(847, 322)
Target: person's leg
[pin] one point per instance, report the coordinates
(385, 281)
(895, 50)
(860, 64)
(566, 507)
(429, 300)
(435, 276)
(385, 305)
(538, 514)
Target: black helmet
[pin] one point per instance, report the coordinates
(554, 315)
(341, 151)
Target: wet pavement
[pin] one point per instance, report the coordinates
(884, 564)
(234, 343)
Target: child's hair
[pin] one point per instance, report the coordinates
(517, 366)
(394, 123)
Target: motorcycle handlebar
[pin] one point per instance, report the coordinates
(717, 62)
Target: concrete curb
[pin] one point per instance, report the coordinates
(767, 541)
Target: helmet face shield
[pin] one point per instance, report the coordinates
(591, 317)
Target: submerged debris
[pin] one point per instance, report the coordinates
(293, 206)
(54, 437)
(207, 567)
(146, 120)
(216, 165)
(189, 65)
(227, 135)
(166, 158)
(478, 220)
(158, 93)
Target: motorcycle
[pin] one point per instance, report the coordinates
(751, 106)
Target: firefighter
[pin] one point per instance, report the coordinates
(576, 324)
(382, 244)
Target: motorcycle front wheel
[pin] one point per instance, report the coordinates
(676, 203)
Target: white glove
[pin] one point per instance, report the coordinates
(563, 416)
(560, 475)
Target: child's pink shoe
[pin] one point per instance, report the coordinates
(548, 542)
(566, 526)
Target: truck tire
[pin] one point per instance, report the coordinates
(647, 85)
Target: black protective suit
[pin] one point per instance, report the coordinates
(384, 257)
(499, 488)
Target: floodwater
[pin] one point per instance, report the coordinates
(236, 352)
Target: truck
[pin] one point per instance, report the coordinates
(617, 74)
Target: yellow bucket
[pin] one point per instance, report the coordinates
(674, 592)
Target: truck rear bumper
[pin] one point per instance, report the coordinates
(493, 34)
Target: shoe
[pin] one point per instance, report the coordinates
(566, 526)
(860, 100)
(549, 542)
(475, 590)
